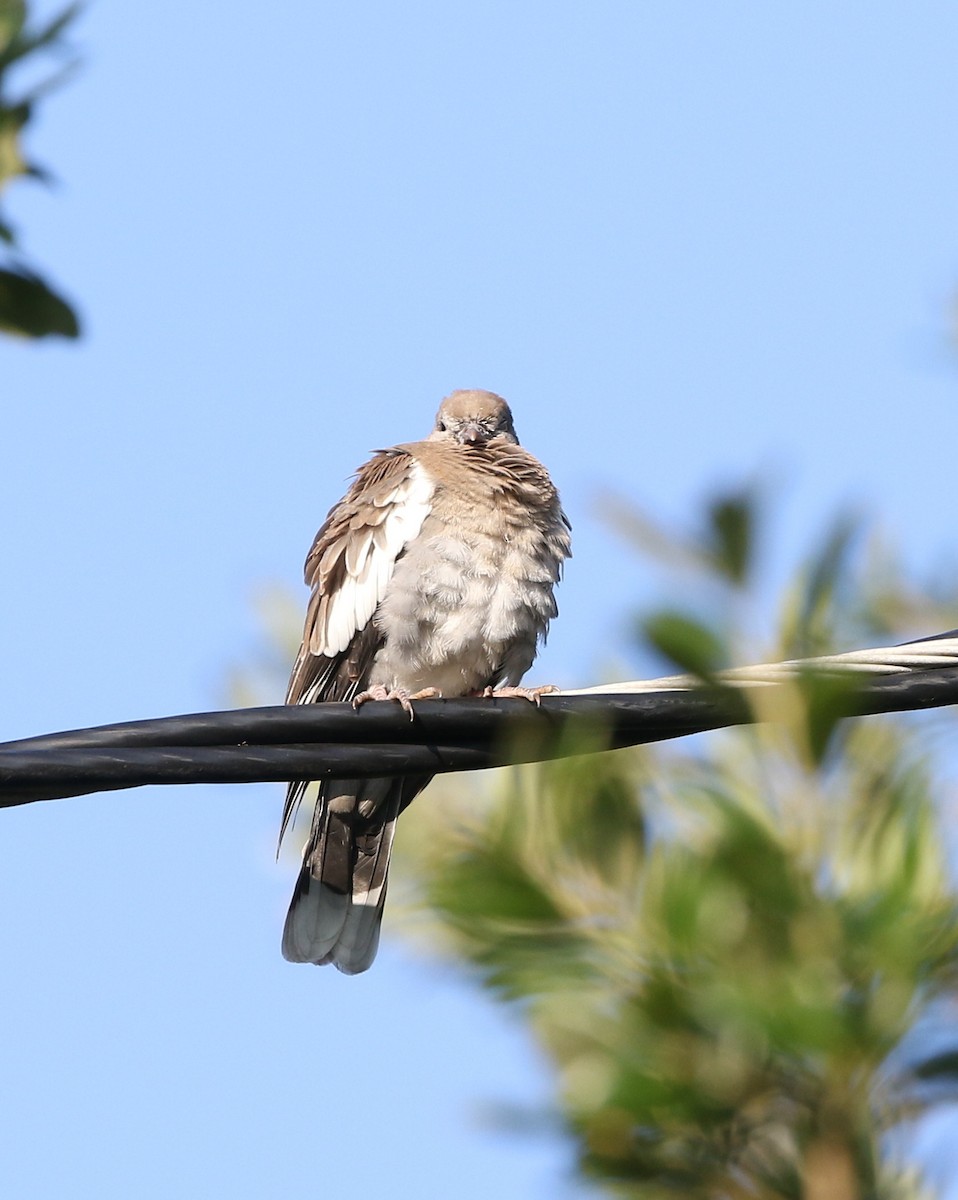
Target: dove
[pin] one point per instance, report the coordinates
(434, 576)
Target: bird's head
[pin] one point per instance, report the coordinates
(474, 419)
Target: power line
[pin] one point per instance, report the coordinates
(317, 741)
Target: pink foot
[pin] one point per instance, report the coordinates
(405, 698)
(534, 694)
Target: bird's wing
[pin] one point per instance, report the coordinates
(348, 569)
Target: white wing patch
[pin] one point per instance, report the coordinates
(370, 557)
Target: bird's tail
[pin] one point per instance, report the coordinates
(337, 907)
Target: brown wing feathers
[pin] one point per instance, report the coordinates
(336, 907)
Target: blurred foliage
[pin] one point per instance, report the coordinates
(29, 307)
(725, 946)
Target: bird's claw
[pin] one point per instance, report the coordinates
(522, 693)
(404, 697)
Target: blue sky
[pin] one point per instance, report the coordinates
(687, 242)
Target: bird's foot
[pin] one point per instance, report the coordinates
(507, 693)
(404, 697)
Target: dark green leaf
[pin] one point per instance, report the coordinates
(825, 577)
(13, 13)
(32, 309)
(22, 43)
(827, 699)
(732, 521)
(940, 1068)
(689, 644)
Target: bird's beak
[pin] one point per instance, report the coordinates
(473, 434)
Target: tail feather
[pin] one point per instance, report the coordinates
(314, 922)
(337, 905)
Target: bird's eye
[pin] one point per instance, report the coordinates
(442, 426)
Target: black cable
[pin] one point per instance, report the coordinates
(316, 741)
(465, 720)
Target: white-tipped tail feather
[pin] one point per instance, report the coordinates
(337, 906)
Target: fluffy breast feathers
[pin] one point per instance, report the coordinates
(354, 555)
